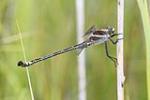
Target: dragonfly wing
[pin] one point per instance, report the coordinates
(90, 30)
(100, 41)
(78, 51)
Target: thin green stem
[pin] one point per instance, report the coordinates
(24, 55)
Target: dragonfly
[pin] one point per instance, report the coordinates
(94, 36)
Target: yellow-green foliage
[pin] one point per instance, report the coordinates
(145, 15)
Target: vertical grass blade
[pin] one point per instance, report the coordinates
(143, 6)
(120, 71)
(24, 55)
(81, 58)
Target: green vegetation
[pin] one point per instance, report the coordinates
(49, 25)
(143, 6)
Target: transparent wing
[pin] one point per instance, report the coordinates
(99, 41)
(90, 30)
(78, 51)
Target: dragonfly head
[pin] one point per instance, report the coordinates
(111, 30)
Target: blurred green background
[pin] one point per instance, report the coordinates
(49, 25)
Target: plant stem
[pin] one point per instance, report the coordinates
(81, 58)
(120, 71)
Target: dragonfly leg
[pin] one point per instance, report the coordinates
(110, 57)
(116, 41)
(116, 34)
